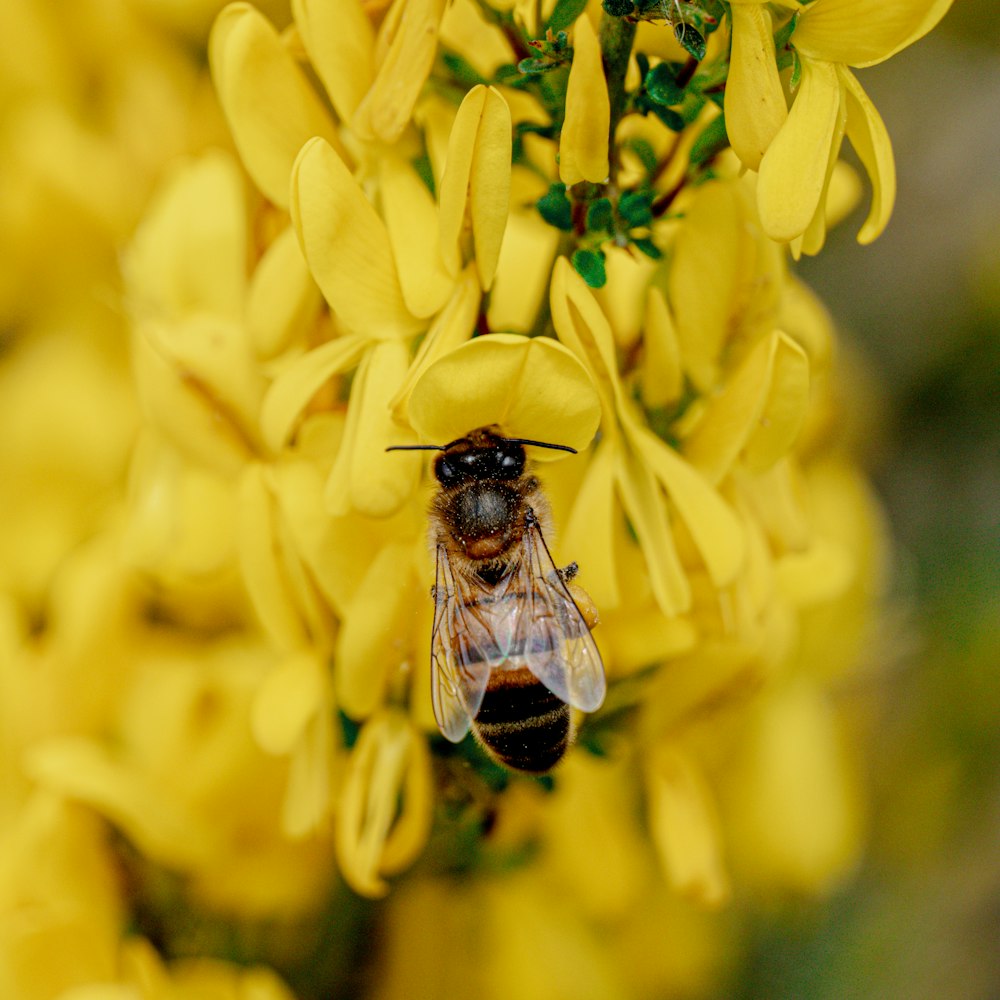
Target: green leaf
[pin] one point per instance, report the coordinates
(636, 207)
(589, 264)
(644, 151)
(690, 40)
(712, 139)
(600, 218)
(461, 70)
(565, 13)
(534, 65)
(783, 34)
(661, 85)
(618, 8)
(555, 208)
(793, 82)
(648, 247)
(672, 119)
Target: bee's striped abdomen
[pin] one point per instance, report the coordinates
(522, 721)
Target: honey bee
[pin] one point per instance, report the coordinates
(510, 649)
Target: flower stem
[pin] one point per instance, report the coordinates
(617, 36)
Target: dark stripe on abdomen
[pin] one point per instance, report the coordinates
(522, 722)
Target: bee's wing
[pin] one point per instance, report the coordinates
(458, 670)
(558, 647)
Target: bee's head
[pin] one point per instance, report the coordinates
(481, 454)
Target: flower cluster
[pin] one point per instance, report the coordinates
(573, 223)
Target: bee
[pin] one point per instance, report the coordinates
(511, 651)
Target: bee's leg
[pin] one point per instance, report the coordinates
(567, 573)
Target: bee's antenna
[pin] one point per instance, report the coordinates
(543, 444)
(415, 447)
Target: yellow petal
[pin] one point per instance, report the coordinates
(807, 322)
(408, 39)
(870, 139)
(453, 192)
(453, 326)
(784, 409)
(377, 788)
(532, 387)
(797, 809)
(288, 698)
(621, 298)
(713, 525)
(646, 510)
(755, 103)
(521, 283)
(368, 647)
(307, 800)
(411, 219)
(336, 550)
(283, 299)
(189, 412)
(366, 479)
(270, 107)
(476, 181)
(346, 246)
(340, 41)
(189, 254)
(263, 564)
(794, 168)
(584, 329)
(761, 409)
(814, 237)
(818, 575)
(704, 276)
(662, 378)
(489, 185)
(863, 32)
(482, 44)
(685, 828)
(156, 821)
(583, 142)
(408, 836)
(292, 390)
(589, 534)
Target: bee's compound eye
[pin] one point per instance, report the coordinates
(445, 472)
(512, 463)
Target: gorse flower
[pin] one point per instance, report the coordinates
(824, 38)
(433, 218)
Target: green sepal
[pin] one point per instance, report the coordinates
(589, 264)
(661, 85)
(555, 208)
(600, 218)
(636, 208)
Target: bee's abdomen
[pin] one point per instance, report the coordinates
(523, 722)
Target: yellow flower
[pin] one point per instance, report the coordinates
(634, 468)
(583, 142)
(215, 706)
(795, 153)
